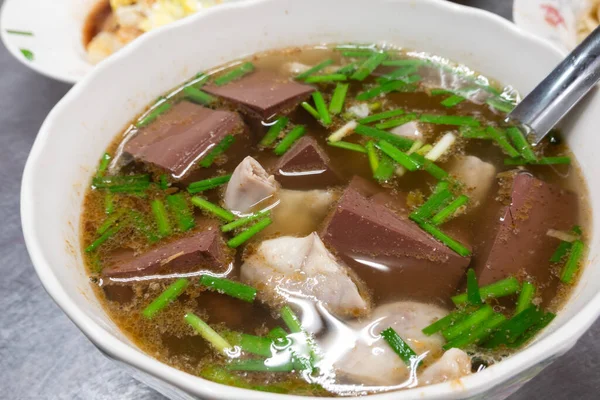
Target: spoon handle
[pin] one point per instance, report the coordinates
(545, 106)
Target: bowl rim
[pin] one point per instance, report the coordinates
(560, 340)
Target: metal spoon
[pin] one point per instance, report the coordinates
(566, 85)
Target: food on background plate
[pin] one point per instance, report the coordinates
(589, 20)
(341, 220)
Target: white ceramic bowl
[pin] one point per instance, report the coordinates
(87, 119)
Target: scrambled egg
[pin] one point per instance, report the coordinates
(131, 18)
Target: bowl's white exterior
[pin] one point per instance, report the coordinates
(79, 128)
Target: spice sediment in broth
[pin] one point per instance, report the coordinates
(305, 263)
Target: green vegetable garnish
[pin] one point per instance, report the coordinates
(244, 236)
(274, 131)
(296, 133)
(229, 287)
(166, 298)
(216, 151)
(234, 74)
(207, 184)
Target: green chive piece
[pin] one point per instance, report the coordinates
(167, 297)
(348, 69)
(160, 215)
(443, 323)
(448, 211)
(500, 104)
(473, 295)
(274, 131)
(408, 356)
(277, 333)
(510, 331)
(438, 92)
(244, 236)
(435, 202)
(109, 204)
(368, 66)
(103, 238)
(110, 221)
(399, 141)
(472, 320)
(199, 80)
(197, 95)
(424, 150)
(449, 120)
(413, 78)
(229, 287)
(372, 156)
(452, 101)
(234, 74)
(244, 221)
(359, 53)
(572, 264)
(213, 209)
(525, 297)
(207, 184)
(443, 185)
(314, 69)
(386, 168)
(501, 288)
(17, 32)
(291, 319)
(261, 346)
(392, 123)
(324, 116)
(207, 332)
(561, 251)
(122, 183)
(141, 225)
(28, 54)
(470, 132)
(104, 161)
(381, 116)
(428, 165)
(296, 133)
(386, 87)
(338, 98)
(521, 143)
(326, 78)
(480, 333)
(540, 324)
(540, 161)
(401, 72)
(445, 239)
(253, 365)
(178, 205)
(500, 138)
(348, 146)
(153, 114)
(397, 155)
(416, 62)
(163, 182)
(311, 110)
(216, 151)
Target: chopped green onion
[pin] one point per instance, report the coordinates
(501, 288)
(514, 327)
(449, 120)
(243, 237)
(207, 332)
(197, 96)
(103, 164)
(399, 141)
(153, 114)
(539, 324)
(199, 80)
(103, 238)
(140, 224)
(478, 334)
(163, 182)
(448, 211)
(296, 133)
(311, 110)
(443, 185)
(277, 333)
(110, 221)
(525, 297)
(392, 123)
(16, 32)
(253, 365)
(435, 202)
(428, 165)
(348, 146)
(179, 206)
(386, 87)
(467, 324)
(359, 53)
(500, 105)
(445, 239)
(473, 295)
(572, 264)
(122, 183)
(291, 320)
(216, 151)
(438, 92)
(470, 132)
(400, 347)
(166, 298)
(28, 54)
(160, 215)
(521, 143)
(338, 98)
(367, 67)
(348, 69)
(500, 138)
(424, 150)
(326, 78)
(413, 78)
(386, 168)
(540, 161)
(443, 323)
(244, 221)
(229, 287)
(561, 251)
(381, 116)
(324, 116)
(416, 146)
(206, 184)
(401, 72)
(109, 204)
(372, 156)
(314, 69)
(452, 101)
(213, 209)
(258, 345)
(234, 74)
(274, 131)
(398, 156)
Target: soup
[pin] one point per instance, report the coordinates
(334, 221)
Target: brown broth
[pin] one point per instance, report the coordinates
(169, 339)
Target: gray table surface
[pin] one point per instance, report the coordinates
(44, 356)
